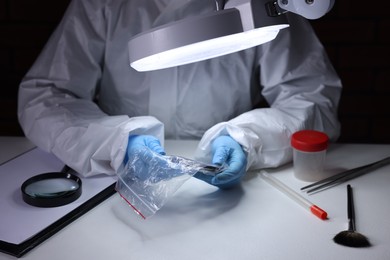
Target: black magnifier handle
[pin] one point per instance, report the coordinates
(65, 169)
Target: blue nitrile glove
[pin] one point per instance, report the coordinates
(146, 160)
(136, 142)
(226, 151)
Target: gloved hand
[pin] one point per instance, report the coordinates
(138, 142)
(227, 151)
(147, 160)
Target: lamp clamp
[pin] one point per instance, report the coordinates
(273, 9)
(310, 9)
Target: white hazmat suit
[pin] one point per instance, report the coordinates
(81, 99)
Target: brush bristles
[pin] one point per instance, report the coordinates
(351, 239)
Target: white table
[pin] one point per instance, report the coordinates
(252, 222)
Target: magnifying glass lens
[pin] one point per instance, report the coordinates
(51, 187)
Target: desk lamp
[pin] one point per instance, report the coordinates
(235, 25)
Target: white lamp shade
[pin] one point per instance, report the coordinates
(196, 39)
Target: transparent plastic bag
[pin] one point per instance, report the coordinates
(149, 179)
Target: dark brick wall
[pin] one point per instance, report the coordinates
(355, 34)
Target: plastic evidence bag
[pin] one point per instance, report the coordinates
(149, 179)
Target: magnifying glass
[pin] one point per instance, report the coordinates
(52, 189)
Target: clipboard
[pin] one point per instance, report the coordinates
(22, 226)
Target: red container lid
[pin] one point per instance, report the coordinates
(309, 141)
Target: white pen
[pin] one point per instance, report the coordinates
(294, 195)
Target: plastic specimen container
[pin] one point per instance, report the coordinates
(309, 154)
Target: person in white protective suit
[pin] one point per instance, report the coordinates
(83, 102)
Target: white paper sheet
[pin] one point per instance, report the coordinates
(18, 220)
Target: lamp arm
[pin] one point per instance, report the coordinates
(219, 4)
(310, 9)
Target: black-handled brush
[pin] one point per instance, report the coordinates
(350, 237)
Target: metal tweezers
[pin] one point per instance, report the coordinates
(344, 176)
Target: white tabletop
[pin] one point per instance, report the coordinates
(252, 222)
